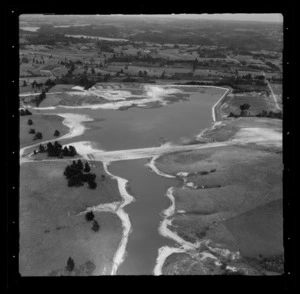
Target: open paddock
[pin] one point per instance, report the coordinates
(46, 124)
(52, 228)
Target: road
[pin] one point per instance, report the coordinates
(274, 96)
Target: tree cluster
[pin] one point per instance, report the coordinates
(25, 112)
(56, 150)
(77, 175)
(264, 113)
(34, 84)
(38, 99)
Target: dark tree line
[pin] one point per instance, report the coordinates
(77, 175)
(25, 112)
(244, 112)
(38, 99)
(56, 150)
(270, 114)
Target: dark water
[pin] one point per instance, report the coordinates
(140, 128)
(148, 189)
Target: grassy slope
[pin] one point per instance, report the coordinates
(245, 212)
(51, 229)
(46, 124)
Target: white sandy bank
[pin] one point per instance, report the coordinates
(163, 229)
(87, 150)
(151, 93)
(127, 199)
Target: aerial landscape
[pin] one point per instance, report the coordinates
(150, 145)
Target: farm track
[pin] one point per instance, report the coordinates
(274, 96)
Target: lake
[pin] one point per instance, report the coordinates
(140, 127)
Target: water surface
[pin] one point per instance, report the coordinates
(141, 128)
(149, 189)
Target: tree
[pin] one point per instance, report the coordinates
(72, 151)
(244, 107)
(27, 112)
(92, 185)
(95, 226)
(56, 133)
(38, 136)
(87, 168)
(70, 265)
(30, 122)
(41, 148)
(89, 216)
(79, 165)
(32, 131)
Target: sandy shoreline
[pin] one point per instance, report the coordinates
(127, 199)
(153, 93)
(163, 229)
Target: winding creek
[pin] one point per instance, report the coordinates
(144, 245)
(148, 189)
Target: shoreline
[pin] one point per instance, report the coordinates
(165, 251)
(126, 224)
(151, 97)
(216, 104)
(71, 120)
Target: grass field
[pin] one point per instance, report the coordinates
(236, 200)
(46, 124)
(257, 103)
(51, 230)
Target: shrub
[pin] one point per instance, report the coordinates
(89, 216)
(56, 133)
(203, 173)
(70, 265)
(38, 136)
(30, 122)
(92, 185)
(31, 131)
(95, 226)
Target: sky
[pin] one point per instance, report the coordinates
(266, 17)
(262, 17)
